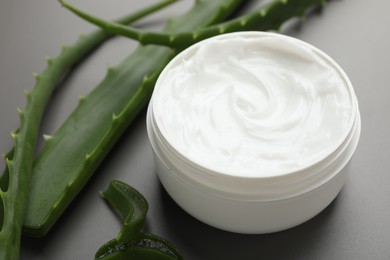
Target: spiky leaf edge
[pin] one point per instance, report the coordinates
(14, 183)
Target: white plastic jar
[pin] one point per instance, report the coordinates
(252, 131)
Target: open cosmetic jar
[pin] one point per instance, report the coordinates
(252, 131)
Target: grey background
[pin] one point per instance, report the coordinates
(355, 226)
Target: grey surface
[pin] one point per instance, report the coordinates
(355, 226)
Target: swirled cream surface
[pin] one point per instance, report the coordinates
(252, 104)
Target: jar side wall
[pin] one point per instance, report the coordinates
(249, 217)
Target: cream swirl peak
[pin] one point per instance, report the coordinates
(253, 105)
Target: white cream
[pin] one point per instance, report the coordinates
(253, 106)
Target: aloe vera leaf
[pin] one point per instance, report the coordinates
(131, 243)
(269, 17)
(130, 205)
(143, 246)
(73, 54)
(15, 181)
(69, 158)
